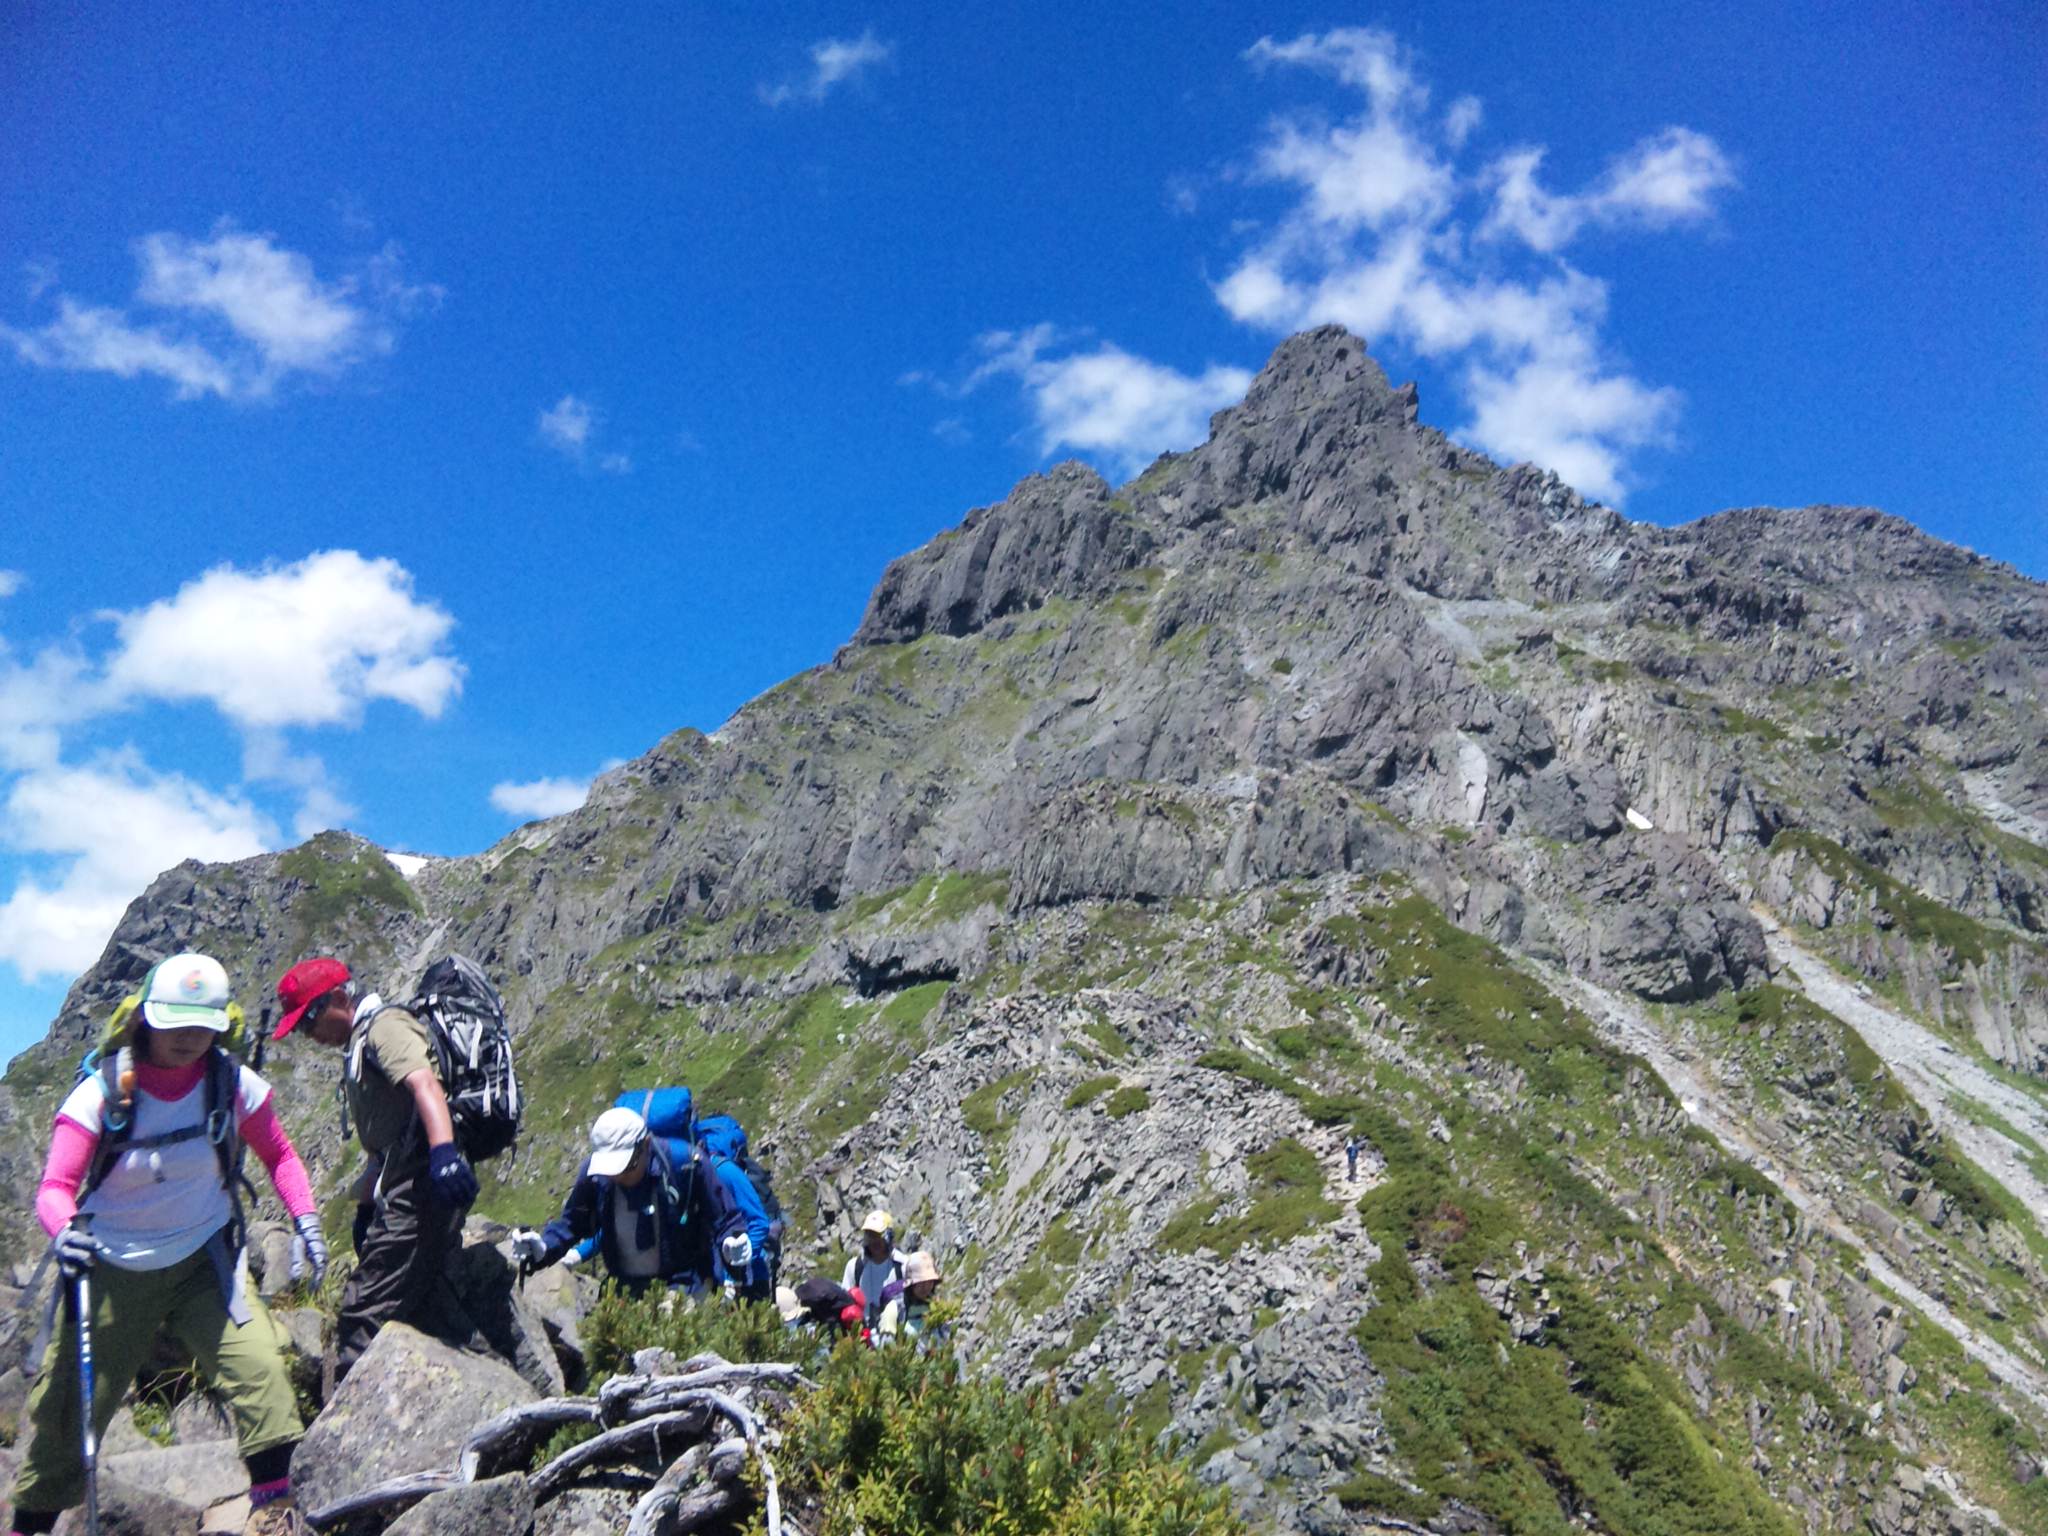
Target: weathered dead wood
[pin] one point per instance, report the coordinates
(398, 1490)
(615, 1443)
(673, 1506)
(513, 1434)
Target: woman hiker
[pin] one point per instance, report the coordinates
(148, 1138)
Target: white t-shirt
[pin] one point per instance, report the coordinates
(158, 1205)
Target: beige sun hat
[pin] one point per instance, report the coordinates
(920, 1266)
(879, 1220)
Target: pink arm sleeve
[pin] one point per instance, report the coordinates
(266, 1138)
(71, 1147)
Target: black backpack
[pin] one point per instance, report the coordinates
(473, 1049)
(465, 1023)
(823, 1299)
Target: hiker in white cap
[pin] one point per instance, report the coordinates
(877, 1264)
(140, 1197)
(640, 1201)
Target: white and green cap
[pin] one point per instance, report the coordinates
(188, 991)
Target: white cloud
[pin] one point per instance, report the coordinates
(538, 798)
(1573, 419)
(570, 425)
(297, 645)
(1367, 58)
(273, 649)
(1465, 115)
(38, 700)
(834, 60)
(1666, 180)
(566, 424)
(11, 582)
(90, 339)
(115, 825)
(238, 315)
(266, 296)
(268, 758)
(1105, 400)
(1376, 240)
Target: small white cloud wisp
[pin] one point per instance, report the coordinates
(834, 61)
(1101, 401)
(570, 427)
(535, 799)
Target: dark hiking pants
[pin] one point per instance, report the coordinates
(403, 1268)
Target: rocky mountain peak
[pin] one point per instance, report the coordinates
(1314, 370)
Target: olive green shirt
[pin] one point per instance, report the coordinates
(394, 1047)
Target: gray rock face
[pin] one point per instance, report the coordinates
(407, 1406)
(1058, 535)
(198, 1475)
(500, 1506)
(590, 1510)
(130, 1508)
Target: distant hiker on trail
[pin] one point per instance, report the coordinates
(877, 1265)
(1351, 1157)
(906, 1315)
(140, 1197)
(412, 1197)
(641, 1202)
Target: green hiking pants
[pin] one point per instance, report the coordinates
(243, 1362)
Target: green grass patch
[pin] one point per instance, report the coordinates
(905, 1012)
(1127, 1101)
(1740, 722)
(1090, 1090)
(1522, 1432)
(1285, 1198)
(1105, 1035)
(344, 882)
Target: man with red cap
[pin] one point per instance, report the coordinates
(418, 1185)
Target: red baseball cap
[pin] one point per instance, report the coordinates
(304, 985)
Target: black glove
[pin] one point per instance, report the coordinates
(449, 1172)
(366, 1212)
(77, 1251)
(314, 1243)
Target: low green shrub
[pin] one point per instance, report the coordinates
(900, 1444)
(897, 1443)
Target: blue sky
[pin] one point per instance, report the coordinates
(402, 419)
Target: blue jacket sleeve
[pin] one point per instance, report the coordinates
(746, 1204)
(577, 1225)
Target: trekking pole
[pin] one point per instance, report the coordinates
(81, 1306)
